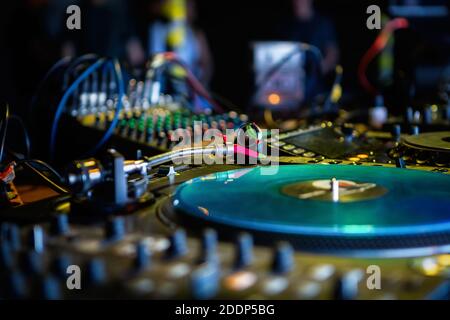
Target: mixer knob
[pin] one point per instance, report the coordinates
(409, 115)
(115, 229)
(33, 262)
(17, 285)
(347, 286)
(6, 256)
(209, 246)
(59, 266)
(205, 281)
(50, 288)
(178, 244)
(60, 225)
(415, 130)
(37, 239)
(244, 251)
(283, 259)
(427, 115)
(96, 272)
(143, 256)
(396, 132)
(10, 234)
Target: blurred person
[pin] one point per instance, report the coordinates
(308, 26)
(192, 50)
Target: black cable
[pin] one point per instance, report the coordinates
(4, 127)
(25, 134)
(56, 66)
(53, 185)
(45, 165)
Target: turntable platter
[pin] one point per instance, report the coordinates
(387, 202)
(436, 141)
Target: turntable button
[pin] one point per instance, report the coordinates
(334, 161)
(244, 251)
(308, 290)
(278, 144)
(298, 151)
(322, 272)
(283, 260)
(309, 154)
(288, 147)
(178, 244)
(275, 285)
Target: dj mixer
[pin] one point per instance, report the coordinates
(331, 210)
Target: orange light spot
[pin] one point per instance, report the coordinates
(274, 99)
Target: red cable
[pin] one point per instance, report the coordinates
(377, 46)
(192, 80)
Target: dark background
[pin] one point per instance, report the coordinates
(230, 25)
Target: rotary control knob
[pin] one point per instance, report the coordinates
(244, 251)
(143, 256)
(209, 246)
(283, 258)
(115, 229)
(178, 244)
(60, 225)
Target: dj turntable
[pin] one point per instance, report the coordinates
(299, 231)
(331, 210)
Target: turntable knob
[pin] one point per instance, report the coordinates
(17, 285)
(6, 256)
(37, 239)
(205, 281)
(143, 256)
(283, 260)
(50, 288)
(178, 244)
(10, 233)
(427, 115)
(244, 251)
(409, 115)
(60, 225)
(347, 285)
(59, 266)
(96, 273)
(396, 132)
(33, 262)
(415, 130)
(209, 246)
(115, 228)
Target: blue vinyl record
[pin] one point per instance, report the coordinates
(322, 200)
